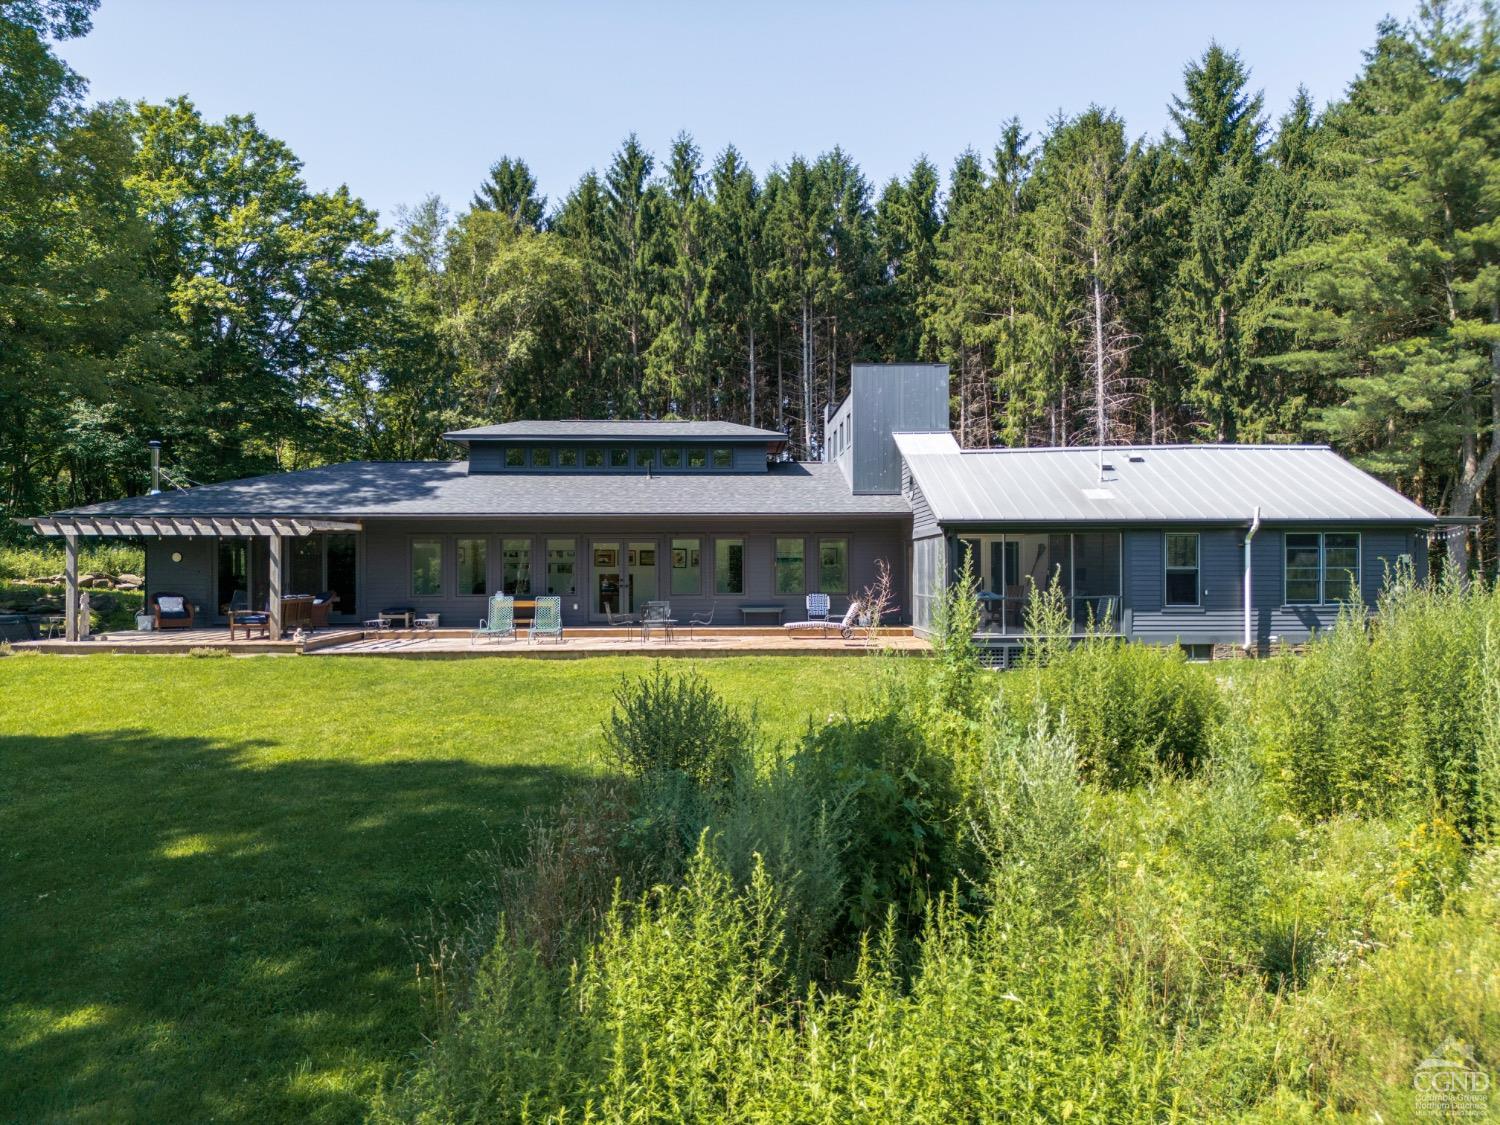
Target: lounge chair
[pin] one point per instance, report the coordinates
(171, 611)
(817, 617)
(627, 621)
(502, 619)
(546, 621)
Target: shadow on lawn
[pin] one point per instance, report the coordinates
(192, 932)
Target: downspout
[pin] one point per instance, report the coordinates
(1249, 538)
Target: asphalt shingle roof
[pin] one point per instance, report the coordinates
(359, 489)
(586, 430)
(1150, 484)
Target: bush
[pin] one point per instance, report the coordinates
(1130, 708)
(675, 721)
(19, 564)
(1395, 715)
(903, 804)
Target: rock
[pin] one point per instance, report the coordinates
(129, 582)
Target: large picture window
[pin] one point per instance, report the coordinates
(562, 564)
(427, 567)
(833, 566)
(729, 566)
(473, 567)
(1321, 567)
(1182, 568)
(687, 567)
(791, 566)
(515, 554)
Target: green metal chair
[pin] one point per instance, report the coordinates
(547, 620)
(502, 619)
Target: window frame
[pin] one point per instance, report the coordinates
(541, 457)
(823, 541)
(593, 458)
(567, 457)
(1167, 569)
(697, 457)
(411, 569)
(530, 542)
(515, 457)
(619, 457)
(723, 457)
(674, 453)
(458, 584)
(674, 544)
(1323, 601)
(777, 559)
(645, 457)
(727, 540)
(548, 544)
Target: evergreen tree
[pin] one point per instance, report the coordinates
(511, 190)
(678, 380)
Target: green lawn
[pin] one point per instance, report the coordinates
(213, 868)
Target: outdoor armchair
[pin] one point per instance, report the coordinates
(501, 621)
(171, 611)
(702, 619)
(627, 621)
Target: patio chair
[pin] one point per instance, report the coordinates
(658, 615)
(850, 621)
(627, 621)
(502, 619)
(171, 611)
(702, 619)
(322, 606)
(547, 620)
(817, 607)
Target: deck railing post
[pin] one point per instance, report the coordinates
(70, 610)
(273, 586)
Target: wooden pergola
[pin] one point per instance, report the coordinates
(271, 528)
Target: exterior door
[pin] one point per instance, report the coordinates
(606, 580)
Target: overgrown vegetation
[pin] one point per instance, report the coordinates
(1082, 889)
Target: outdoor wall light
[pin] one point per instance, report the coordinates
(176, 556)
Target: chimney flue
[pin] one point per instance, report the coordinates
(155, 466)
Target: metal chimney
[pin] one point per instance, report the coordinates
(155, 466)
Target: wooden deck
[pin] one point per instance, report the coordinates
(458, 644)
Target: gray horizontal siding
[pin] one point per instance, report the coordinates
(923, 522)
(194, 577)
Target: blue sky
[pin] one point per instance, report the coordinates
(402, 100)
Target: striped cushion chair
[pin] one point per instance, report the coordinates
(547, 621)
(501, 622)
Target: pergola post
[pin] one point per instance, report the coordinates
(273, 585)
(70, 609)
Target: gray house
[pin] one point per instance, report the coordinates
(1197, 545)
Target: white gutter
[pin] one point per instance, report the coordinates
(1249, 537)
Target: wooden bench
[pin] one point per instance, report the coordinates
(773, 611)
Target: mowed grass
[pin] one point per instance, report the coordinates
(213, 869)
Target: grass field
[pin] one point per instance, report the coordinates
(214, 868)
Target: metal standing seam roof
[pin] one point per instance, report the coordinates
(624, 430)
(414, 489)
(1149, 484)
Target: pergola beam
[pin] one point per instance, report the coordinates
(188, 527)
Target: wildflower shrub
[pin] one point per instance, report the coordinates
(1395, 715)
(1055, 921)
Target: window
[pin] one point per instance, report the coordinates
(833, 566)
(562, 558)
(1321, 568)
(687, 576)
(515, 457)
(515, 555)
(697, 458)
(645, 458)
(723, 458)
(1182, 568)
(427, 567)
(619, 458)
(791, 566)
(593, 458)
(729, 566)
(541, 457)
(567, 458)
(304, 565)
(473, 567)
(671, 458)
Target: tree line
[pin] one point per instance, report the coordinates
(1329, 275)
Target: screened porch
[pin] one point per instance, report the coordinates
(1011, 567)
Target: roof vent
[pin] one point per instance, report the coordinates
(1137, 458)
(1106, 467)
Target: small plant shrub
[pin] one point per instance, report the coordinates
(1130, 708)
(675, 721)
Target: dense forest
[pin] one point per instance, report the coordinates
(1257, 274)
